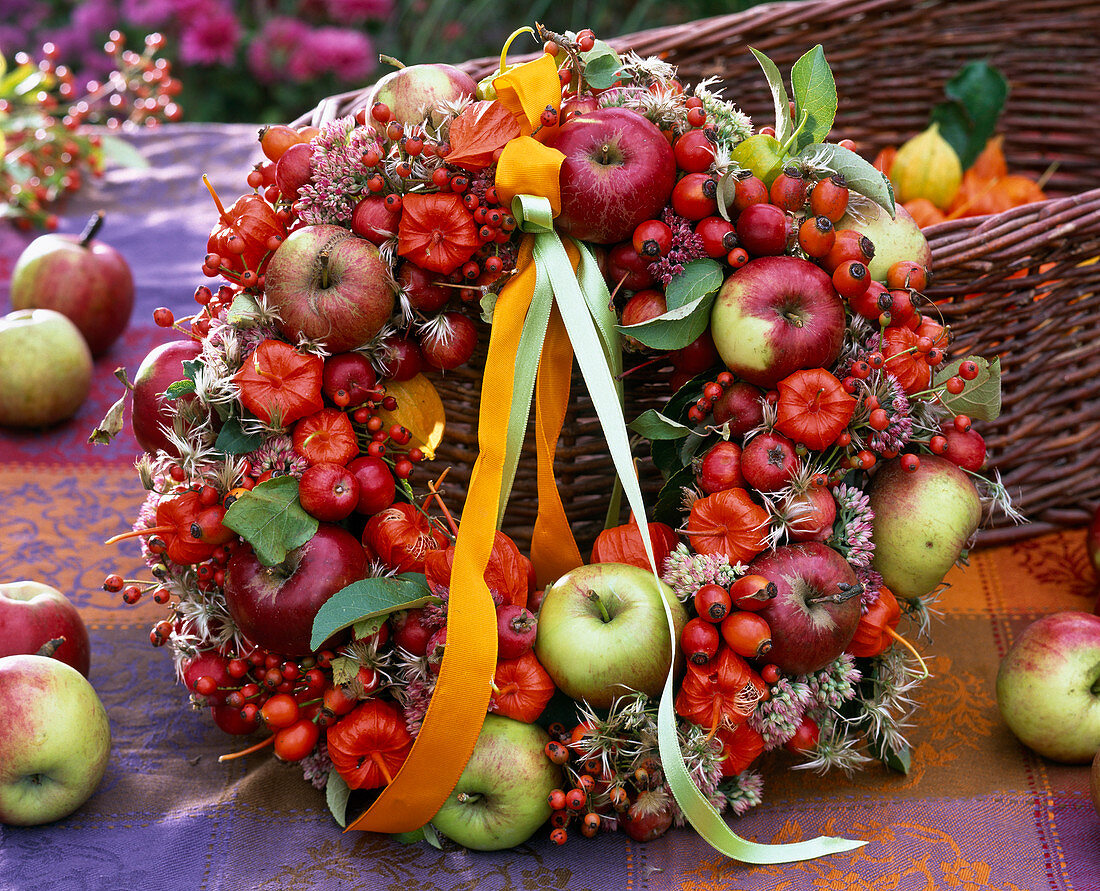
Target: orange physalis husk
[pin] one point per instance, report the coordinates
(369, 744)
(728, 523)
(401, 536)
(436, 232)
(911, 368)
(813, 408)
(179, 517)
(872, 637)
(242, 233)
(326, 436)
(741, 745)
(720, 693)
(278, 381)
(479, 133)
(522, 688)
(924, 212)
(623, 544)
(505, 575)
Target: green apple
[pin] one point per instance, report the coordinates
(603, 631)
(897, 238)
(501, 797)
(45, 368)
(55, 740)
(1048, 686)
(923, 520)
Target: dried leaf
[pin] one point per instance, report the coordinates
(479, 132)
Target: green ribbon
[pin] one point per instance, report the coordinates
(585, 306)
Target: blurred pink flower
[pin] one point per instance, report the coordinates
(209, 35)
(347, 54)
(358, 10)
(147, 13)
(270, 52)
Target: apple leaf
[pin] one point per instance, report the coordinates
(897, 759)
(601, 66)
(980, 400)
(431, 836)
(366, 599)
(862, 176)
(115, 420)
(180, 388)
(232, 439)
(779, 96)
(668, 507)
(699, 278)
(271, 519)
(337, 793)
(976, 94)
(123, 154)
(653, 425)
(814, 98)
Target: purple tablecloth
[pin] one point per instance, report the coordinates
(977, 811)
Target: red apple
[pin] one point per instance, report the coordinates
(814, 614)
(353, 375)
(374, 221)
(156, 373)
(329, 285)
(967, 449)
(32, 614)
(293, 169)
(329, 492)
(740, 407)
(413, 91)
(619, 170)
(274, 606)
(768, 461)
(776, 315)
(376, 484)
(86, 280)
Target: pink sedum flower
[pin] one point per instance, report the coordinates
(347, 54)
(210, 35)
(358, 10)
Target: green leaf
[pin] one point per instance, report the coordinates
(271, 519)
(653, 425)
(368, 598)
(814, 97)
(122, 153)
(900, 760)
(232, 439)
(699, 278)
(242, 311)
(337, 793)
(410, 838)
(980, 400)
(180, 388)
(674, 329)
(431, 836)
(977, 95)
(668, 508)
(779, 96)
(862, 176)
(601, 66)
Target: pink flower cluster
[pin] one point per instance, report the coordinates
(288, 48)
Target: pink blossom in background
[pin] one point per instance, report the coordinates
(347, 54)
(210, 35)
(148, 13)
(358, 10)
(270, 51)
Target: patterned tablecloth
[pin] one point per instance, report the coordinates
(976, 812)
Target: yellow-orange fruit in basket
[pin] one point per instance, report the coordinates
(926, 166)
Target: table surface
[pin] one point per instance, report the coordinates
(977, 811)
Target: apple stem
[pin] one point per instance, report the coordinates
(152, 530)
(380, 763)
(846, 592)
(390, 60)
(253, 748)
(91, 228)
(595, 598)
(322, 258)
(463, 797)
(50, 647)
(794, 320)
(890, 632)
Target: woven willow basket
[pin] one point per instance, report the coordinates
(1024, 284)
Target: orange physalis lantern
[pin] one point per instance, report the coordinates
(623, 544)
(903, 361)
(326, 436)
(280, 385)
(719, 693)
(741, 745)
(728, 523)
(436, 232)
(369, 744)
(873, 633)
(401, 537)
(506, 574)
(813, 408)
(521, 688)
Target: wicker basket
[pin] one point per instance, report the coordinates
(1022, 284)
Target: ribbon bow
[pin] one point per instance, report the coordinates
(556, 305)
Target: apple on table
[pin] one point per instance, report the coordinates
(55, 740)
(34, 614)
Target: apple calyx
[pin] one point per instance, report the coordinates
(50, 647)
(846, 592)
(605, 616)
(91, 228)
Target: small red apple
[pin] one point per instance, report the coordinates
(740, 407)
(377, 488)
(156, 373)
(619, 170)
(373, 220)
(86, 280)
(329, 492)
(353, 375)
(32, 614)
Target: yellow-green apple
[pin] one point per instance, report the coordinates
(413, 91)
(815, 611)
(923, 520)
(33, 614)
(776, 315)
(274, 606)
(501, 797)
(329, 285)
(895, 238)
(152, 411)
(45, 368)
(602, 631)
(55, 740)
(83, 279)
(1048, 686)
(618, 171)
